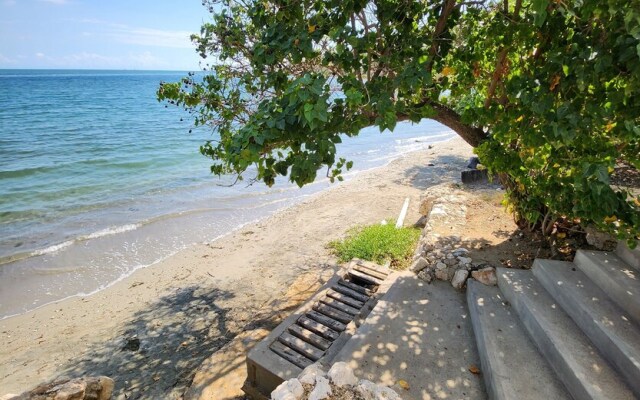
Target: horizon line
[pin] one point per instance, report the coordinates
(95, 69)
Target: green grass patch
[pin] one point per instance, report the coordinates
(378, 243)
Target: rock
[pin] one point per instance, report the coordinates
(451, 262)
(441, 265)
(442, 274)
(370, 391)
(72, 390)
(131, 344)
(461, 251)
(85, 388)
(322, 389)
(600, 240)
(341, 375)
(425, 275)
(486, 276)
(473, 163)
(419, 265)
(421, 222)
(288, 390)
(450, 256)
(465, 260)
(459, 278)
(310, 375)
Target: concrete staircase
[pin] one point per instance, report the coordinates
(564, 330)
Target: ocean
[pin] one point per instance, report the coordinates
(99, 179)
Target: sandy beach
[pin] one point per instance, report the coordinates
(150, 331)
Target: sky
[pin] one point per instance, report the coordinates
(100, 34)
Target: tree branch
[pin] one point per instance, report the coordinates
(441, 25)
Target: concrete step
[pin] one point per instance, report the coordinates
(616, 278)
(608, 327)
(503, 344)
(582, 370)
(420, 333)
(631, 257)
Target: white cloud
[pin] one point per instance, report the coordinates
(144, 60)
(7, 60)
(143, 36)
(154, 37)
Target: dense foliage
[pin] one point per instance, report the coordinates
(547, 89)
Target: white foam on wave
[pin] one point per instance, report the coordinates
(53, 249)
(112, 231)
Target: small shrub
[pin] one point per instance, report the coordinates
(378, 243)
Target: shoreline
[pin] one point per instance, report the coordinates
(316, 188)
(204, 295)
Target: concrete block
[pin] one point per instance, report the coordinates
(474, 176)
(616, 278)
(609, 329)
(576, 362)
(631, 257)
(503, 344)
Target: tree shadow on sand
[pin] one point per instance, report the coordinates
(445, 168)
(155, 354)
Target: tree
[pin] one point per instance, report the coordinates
(548, 90)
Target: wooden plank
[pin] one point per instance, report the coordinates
(355, 287)
(345, 299)
(290, 355)
(333, 313)
(369, 271)
(340, 306)
(351, 293)
(364, 277)
(302, 347)
(326, 321)
(309, 337)
(372, 266)
(318, 328)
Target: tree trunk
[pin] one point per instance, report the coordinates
(451, 119)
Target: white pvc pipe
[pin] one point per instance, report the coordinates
(403, 213)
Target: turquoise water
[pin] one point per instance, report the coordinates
(98, 179)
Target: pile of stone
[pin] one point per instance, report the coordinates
(443, 257)
(85, 388)
(339, 383)
(445, 260)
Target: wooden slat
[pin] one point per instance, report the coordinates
(326, 321)
(351, 293)
(302, 347)
(374, 267)
(354, 287)
(345, 299)
(309, 337)
(290, 355)
(369, 271)
(364, 277)
(333, 313)
(338, 305)
(318, 328)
